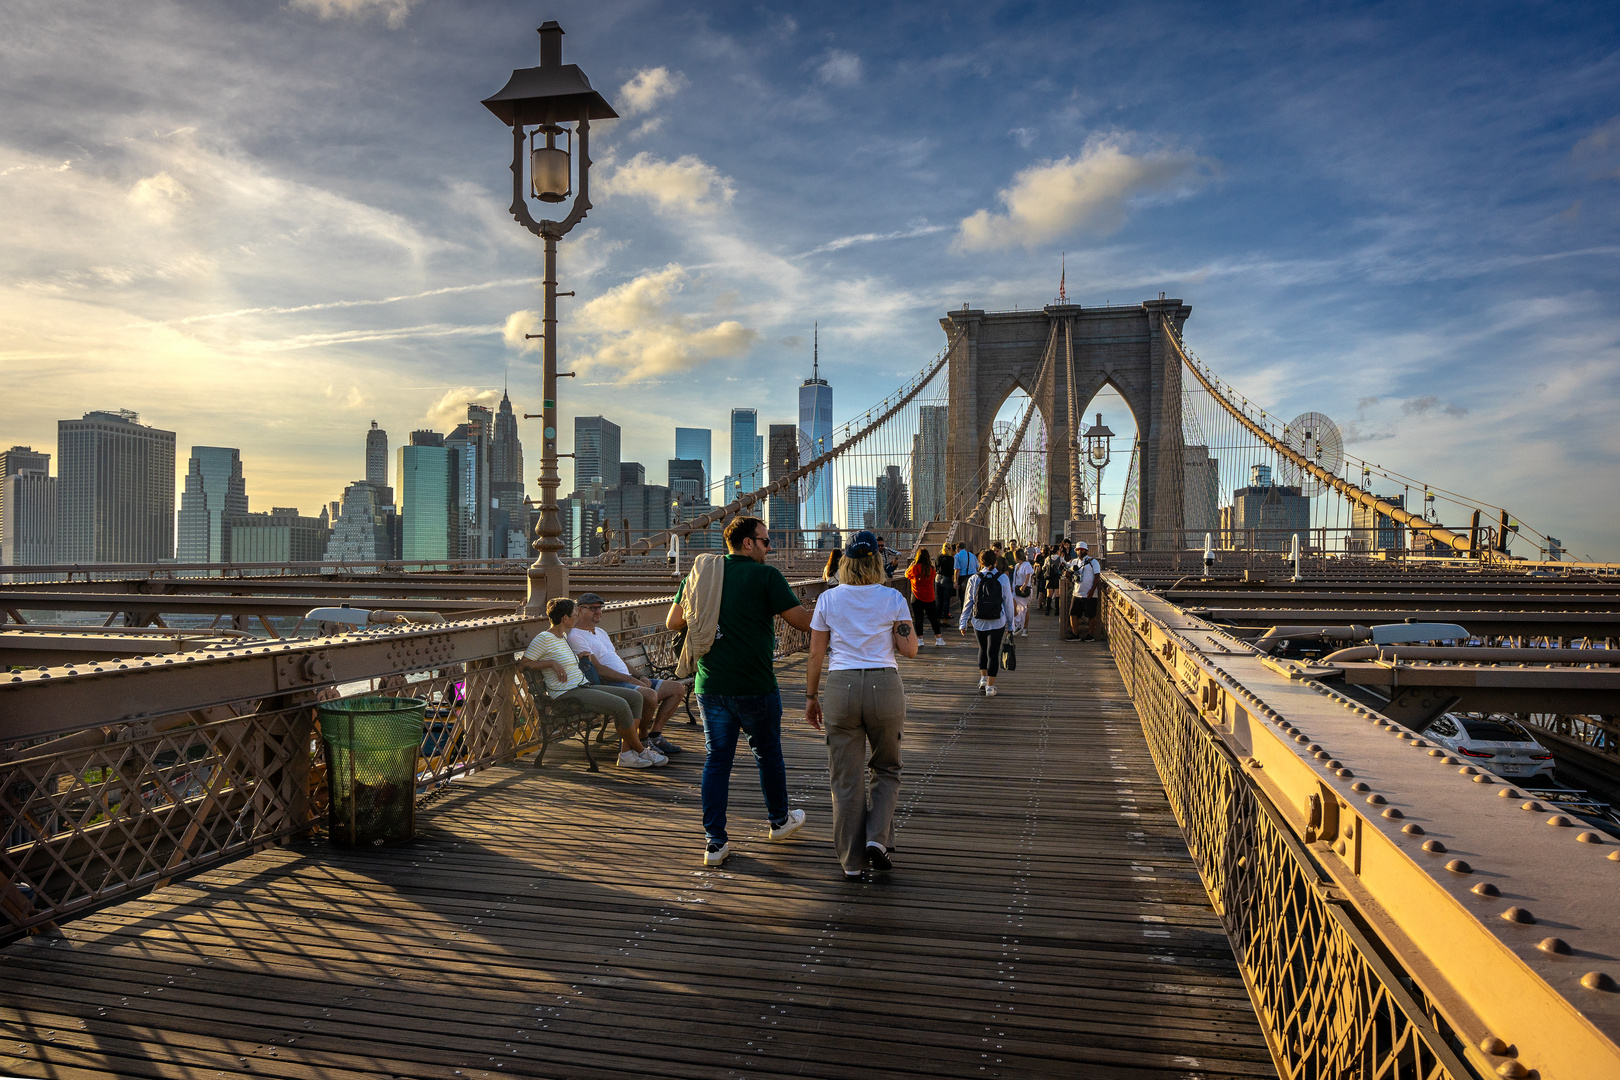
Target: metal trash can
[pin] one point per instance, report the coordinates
(371, 749)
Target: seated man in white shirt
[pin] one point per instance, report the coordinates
(659, 697)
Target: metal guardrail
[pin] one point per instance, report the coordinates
(176, 766)
(1369, 948)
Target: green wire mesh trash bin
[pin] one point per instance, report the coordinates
(371, 748)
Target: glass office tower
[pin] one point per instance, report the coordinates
(427, 487)
(747, 455)
(815, 424)
(214, 488)
(695, 444)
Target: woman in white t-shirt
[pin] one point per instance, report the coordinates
(1023, 579)
(858, 628)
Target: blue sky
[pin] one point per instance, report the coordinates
(265, 224)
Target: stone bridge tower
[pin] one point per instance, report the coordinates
(1123, 347)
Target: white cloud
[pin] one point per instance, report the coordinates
(637, 334)
(647, 88)
(519, 324)
(451, 408)
(686, 183)
(393, 11)
(159, 196)
(840, 68)
(1091, 192)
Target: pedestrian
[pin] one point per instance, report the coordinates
(736, 682)
(924, 600)
(829, 573)
(890, 563)
(985, 606)
(944, 586)
(659, 697)
(1023, 577)
(858, 629)
(1087, 575)
(550, 654)
(966, 566)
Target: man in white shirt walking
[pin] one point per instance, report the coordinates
(659, 697)
(1087, 588)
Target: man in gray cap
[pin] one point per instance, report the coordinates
(659, 697)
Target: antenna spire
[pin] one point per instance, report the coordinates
(815, 364)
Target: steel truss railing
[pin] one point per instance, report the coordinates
(1331, 1003)
(121, 805)
(1370, 948)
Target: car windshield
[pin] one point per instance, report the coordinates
(1494, 731)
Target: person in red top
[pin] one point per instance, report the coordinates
(921, 575)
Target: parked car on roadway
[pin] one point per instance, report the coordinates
(1495, 743)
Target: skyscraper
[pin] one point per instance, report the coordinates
(281, 536)
(695, 444)
(214, 489)
(861, 505)
(783, 507)
(28, 532)
(815, 424)
(632, 472)
(471, 443)
(115, 489)
(928, 462)
(506, 452)
(596, 452)
(20, 459)
(688, 480)
(747, 457)
(1201, 487)
(360, 533)
(377, 456)
(427, 488)
(893, 510)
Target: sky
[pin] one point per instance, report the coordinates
(266, 224)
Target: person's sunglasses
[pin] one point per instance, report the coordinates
(764, 539)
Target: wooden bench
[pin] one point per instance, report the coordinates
(643, 664)
(559, 719)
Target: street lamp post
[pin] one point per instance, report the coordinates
(1098, 454)
(540, 103)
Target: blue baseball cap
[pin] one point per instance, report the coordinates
(861, 544)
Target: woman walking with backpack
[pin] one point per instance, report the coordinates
(859, 628)
(986, 603)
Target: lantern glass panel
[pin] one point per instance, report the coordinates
(548, 173)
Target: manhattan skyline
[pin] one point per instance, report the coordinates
(265, 227)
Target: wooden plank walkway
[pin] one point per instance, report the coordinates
(1044, 919)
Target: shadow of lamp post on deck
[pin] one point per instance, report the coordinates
(549, 108)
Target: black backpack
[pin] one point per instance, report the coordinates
(987, 604)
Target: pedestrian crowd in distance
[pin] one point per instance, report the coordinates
(725, 612)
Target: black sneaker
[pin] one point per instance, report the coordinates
(878, 857)
(664, 745)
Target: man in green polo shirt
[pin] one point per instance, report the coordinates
(736, 682)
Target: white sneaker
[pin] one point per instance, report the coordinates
(653, 757)
(989, 691)
(1025, 632)
(795, 820)
(939, 641)
(983, 682)
(629, 759)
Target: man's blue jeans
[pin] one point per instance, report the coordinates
(759, 717)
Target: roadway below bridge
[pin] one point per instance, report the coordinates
(1044, 919)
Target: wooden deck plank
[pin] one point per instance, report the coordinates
(1044, 920)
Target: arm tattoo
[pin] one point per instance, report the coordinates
(904, 630)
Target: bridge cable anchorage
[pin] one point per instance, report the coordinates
(646, 544)
(982, 509)
(1464, 544)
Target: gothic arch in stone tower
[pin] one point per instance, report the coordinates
(1122, 346)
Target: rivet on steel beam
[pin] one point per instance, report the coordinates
(1375, 800)
(1332, 764)
(1437, 753)
(1459, 866)
(1512, 1070)
(1555, 945)
(1590, 838)
(1419, 742)
(1483, 778)
(1491, 1044)
(1345, 774)
(1518, 915)
(1598, 980)
(1434, 847)
(1393, 813)
(1614, 856)
(1360, 785)
(1468, 770)
(1485, 888)
(1320, 755)
(1560, 821)
(1532, 806)
(1314, 748)
(1340, 847)
(1412, 829)
(1508, 793)
(1302, 738)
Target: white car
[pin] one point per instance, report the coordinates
(1497, 744)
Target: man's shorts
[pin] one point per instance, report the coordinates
(1083, 607)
